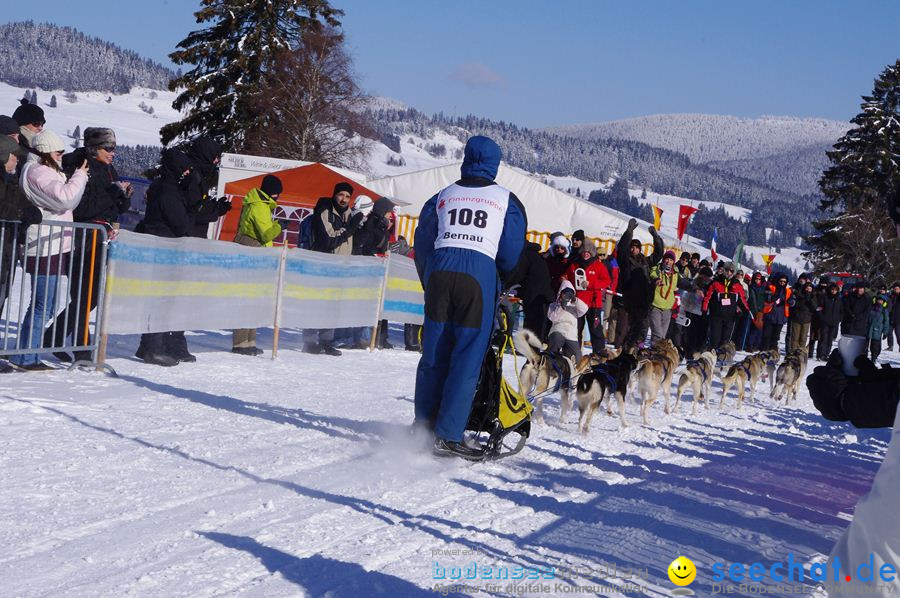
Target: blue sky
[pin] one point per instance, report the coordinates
(545, 63)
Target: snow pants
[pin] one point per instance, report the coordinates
(461, 289)
(827, 333)
(659, 323)
(594, 320)
(720, 329)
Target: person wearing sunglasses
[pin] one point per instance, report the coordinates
(105, 199)
(30, 119)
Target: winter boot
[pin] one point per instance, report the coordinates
(328, 349)
(446, 448)
(152, 351)
(176, 346)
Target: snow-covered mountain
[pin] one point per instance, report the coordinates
(711, 137)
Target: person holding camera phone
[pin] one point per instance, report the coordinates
(565, 316)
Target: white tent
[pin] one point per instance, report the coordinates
(548, 209)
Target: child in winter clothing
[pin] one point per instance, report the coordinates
(563, 315)
(879, 324)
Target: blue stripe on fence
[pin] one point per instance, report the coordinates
(311, 268)
(182, 257)
(405, 306)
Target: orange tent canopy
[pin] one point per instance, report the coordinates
(302, 187)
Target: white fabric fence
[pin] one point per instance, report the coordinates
(157, 284)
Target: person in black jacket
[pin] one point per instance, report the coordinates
(895, 316)
(855, 319)
(831, 311)
(105, 199)
(535, 292)
(20, 213)
(167, 216)
(333, 228)
(634, 281)
(803, 306)
(372, 239)
(204, 153)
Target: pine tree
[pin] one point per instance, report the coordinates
(230, 59)
(53, 101)
(856, 231)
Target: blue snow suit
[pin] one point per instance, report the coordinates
(460, 278)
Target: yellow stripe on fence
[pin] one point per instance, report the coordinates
(296, 291)
(404, 284)
(136, 287)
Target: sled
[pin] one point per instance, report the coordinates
(501, 416)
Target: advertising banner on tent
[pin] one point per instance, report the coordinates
(322, 290)
(158, 284)
(404, 298)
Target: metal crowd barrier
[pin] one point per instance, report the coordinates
(51, 300)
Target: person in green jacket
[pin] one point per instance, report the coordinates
(664, 280)
(256, 228)
(879, 324)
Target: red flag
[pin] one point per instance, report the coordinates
(684, 216)
(657, 216)
(768, 259)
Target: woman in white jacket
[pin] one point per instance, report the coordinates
(47, 247)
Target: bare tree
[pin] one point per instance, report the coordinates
(311, 106)
(860, 240)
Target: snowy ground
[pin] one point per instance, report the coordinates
(296, 477)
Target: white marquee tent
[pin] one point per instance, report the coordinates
(548, 209)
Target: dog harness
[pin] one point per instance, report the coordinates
(744, 367)
(703, 372)
(601, 369)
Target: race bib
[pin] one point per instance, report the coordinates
(726, 301)
(471, 218)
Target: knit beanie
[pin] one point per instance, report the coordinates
(7, 147)
(342, 186)
(669, 255)
(271, 185)
(47, 141)
(27, 114)
(578, 235)
(635, 243)
(8, 125)
(99, 137)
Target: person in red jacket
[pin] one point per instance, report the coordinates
(590, 278)
(724, 297)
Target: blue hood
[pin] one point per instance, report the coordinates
(482, 158)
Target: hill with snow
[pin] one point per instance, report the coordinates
(53, 57)
(712, 137)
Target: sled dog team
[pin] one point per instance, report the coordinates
(650, 371)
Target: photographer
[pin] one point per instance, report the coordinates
(564, 315)
(868, 400)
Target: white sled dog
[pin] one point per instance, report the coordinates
(739, 374)
(543, 371)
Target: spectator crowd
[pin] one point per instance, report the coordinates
(569, 294)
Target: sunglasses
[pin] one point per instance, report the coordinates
(109, 148)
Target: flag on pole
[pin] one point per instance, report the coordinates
(712, 244)
(768, 259)
(684, 216)
(739, 254)
(657, 216)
